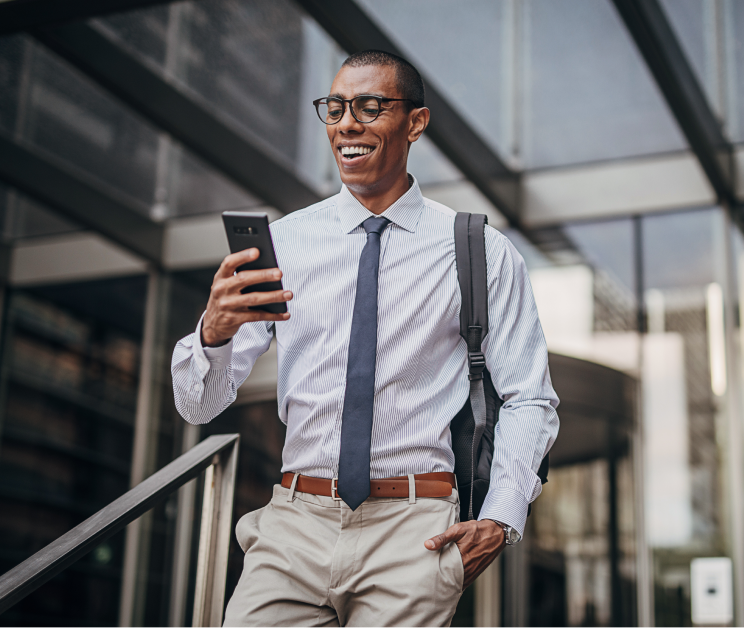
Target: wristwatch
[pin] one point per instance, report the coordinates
(511, 535)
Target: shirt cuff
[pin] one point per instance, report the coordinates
(507, 506)
(210, 357)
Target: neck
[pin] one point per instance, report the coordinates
(383, 194)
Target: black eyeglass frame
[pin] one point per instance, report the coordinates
(343, 102)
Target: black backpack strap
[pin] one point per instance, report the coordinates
(470, 255)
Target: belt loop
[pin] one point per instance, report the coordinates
(411, 490)
(290, 495)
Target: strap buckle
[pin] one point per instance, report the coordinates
(476, 364)
(334, 489)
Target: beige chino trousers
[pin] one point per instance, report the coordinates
(311, 561)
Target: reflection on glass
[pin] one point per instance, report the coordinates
(734, 44)
(45, 102)
(478, 85)
(12, 51)
(588, 94)
(694, 24)
(571, 527)
(21, 217)
(243, 58)
(684, 379)
(189, 187)
(67, 115)
(587, 309)
(584, 521)
(67, 396)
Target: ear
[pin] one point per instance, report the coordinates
(417, 123)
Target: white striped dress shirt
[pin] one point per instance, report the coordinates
(421, 378)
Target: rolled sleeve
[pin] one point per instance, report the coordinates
(211, 357)
(505, 505)
(206, 379)
(517, 358)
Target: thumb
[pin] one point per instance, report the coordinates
(438, 541)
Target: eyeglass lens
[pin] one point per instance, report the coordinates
(366, 110)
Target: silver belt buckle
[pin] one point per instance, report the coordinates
(334, 489)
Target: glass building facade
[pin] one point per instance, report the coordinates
(122, 138)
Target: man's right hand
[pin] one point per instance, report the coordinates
(228, 309)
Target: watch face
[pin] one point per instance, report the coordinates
(512, 536)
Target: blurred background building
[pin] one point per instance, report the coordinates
(604, 138)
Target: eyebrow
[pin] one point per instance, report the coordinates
(336, 95)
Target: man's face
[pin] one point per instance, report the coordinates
(386, 139)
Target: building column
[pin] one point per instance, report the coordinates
(734, 451)
(488, 597)
(144, 450)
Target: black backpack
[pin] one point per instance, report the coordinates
(473, 427)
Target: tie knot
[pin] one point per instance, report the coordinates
(375, 224)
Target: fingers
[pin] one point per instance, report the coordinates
(453, 534)
(247, 278)
(232, 262)
(242, 302)
(256, 315)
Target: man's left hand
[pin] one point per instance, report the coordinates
(479, 541)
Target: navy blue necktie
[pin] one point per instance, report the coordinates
(356, 420)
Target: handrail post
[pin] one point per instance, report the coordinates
(43, 565)
(214, 538)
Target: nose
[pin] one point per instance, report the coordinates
(348, 123)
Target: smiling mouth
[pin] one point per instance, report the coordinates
(355, 154)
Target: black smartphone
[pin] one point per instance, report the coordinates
(251, 230)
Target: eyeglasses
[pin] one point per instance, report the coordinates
(364, 108)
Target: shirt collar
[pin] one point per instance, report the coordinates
(404, 212)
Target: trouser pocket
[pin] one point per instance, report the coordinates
(246, 531)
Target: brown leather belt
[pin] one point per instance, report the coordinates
(431, 485)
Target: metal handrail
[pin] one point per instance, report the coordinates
(218, 455)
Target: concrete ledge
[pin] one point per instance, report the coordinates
(70, 257)
(199, 242)
(626, 187)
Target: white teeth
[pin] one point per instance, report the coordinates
(355, 151)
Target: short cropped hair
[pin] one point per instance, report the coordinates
(410, 83)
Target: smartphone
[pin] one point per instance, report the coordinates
(251, 230)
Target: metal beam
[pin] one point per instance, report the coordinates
(79, 197)
(20, 15)
(244, 157)
(354, 31)
(655, 39)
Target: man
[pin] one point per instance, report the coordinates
(364, 528)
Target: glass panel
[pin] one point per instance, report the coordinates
(684, 382)
(298, 58)
(712, 36)
(694, 24)
(145, 31)
(477, 85)
(213, 53)
(572, 582)
(12, 50)
(243, 58)
(734, 25)
(68, 116)
(23, 217)
(429, 165)
(44, 101)
(588, 94)
(67, 398)
(187, 186)
(588, 308)
(582, 532)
